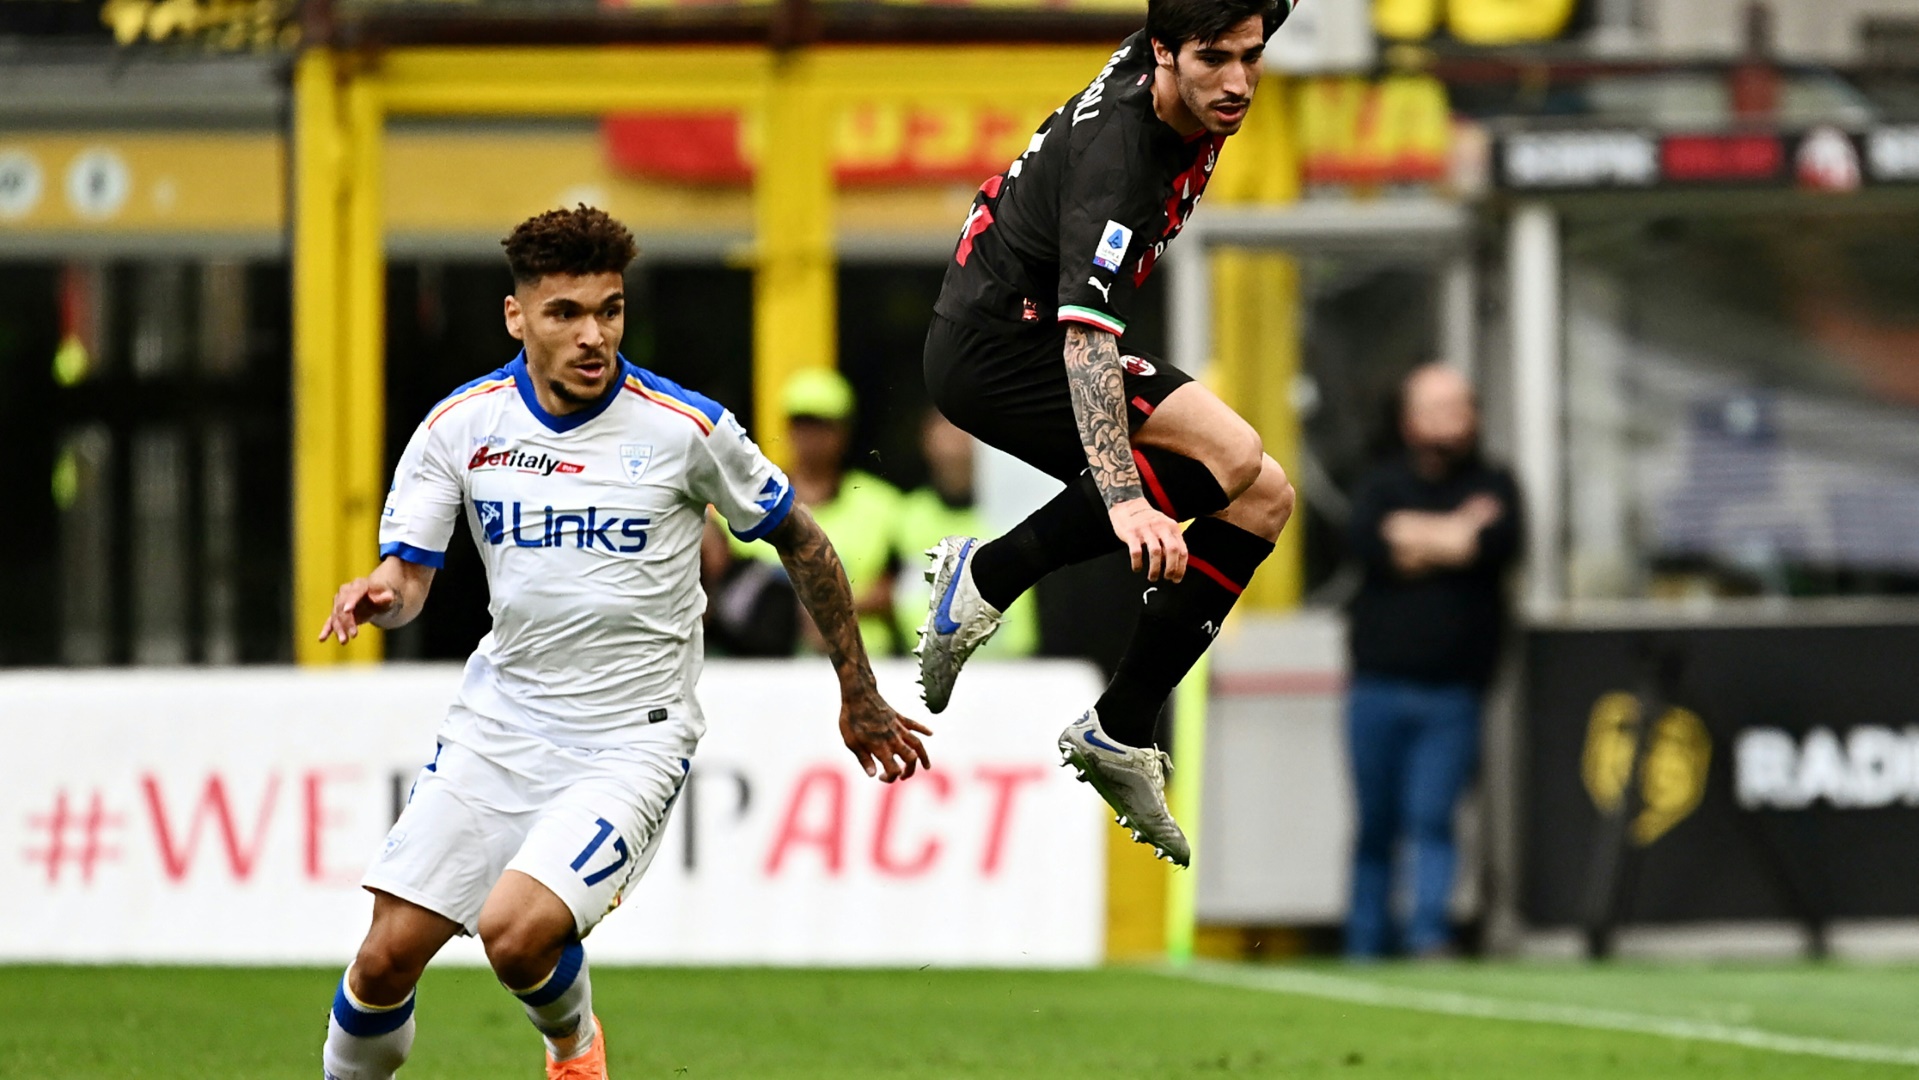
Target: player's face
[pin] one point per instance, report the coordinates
(1216, 79)
(572, 328)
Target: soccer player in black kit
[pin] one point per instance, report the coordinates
(1026, 352)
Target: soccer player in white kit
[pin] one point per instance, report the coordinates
(585, 482)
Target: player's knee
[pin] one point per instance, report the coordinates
(384, 972)
(521, 950)
(1266, 505)
(1241, 462)
(1276, 491)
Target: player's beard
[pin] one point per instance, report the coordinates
(1200, 102)
(574, 397)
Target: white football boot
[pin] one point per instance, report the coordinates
(1132, 780)
(957, 620)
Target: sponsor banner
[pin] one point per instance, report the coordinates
(1573, 160)
(226, 817)
(1051, 7)
(1823, 159)
(1779, 780)
(1395, 130)
(874, 142)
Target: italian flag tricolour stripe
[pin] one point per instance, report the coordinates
(1075, 313)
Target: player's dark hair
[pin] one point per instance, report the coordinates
(1173, 23)
(584, 240)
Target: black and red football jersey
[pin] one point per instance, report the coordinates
(1072, 228)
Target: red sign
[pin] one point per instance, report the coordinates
(1723, 158)
(877, 142)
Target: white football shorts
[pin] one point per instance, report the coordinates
(584, 822)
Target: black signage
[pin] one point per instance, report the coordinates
(1735, 773)
(1828, 159)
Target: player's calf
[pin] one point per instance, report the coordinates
(370, 1026)
(530, 939)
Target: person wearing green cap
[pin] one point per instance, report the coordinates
(858, 510)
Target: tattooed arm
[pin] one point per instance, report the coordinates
(875, 734)
(1098, 385)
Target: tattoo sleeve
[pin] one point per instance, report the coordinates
(1098, 386)
(821, 583)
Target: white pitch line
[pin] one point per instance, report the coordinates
(1360, 992)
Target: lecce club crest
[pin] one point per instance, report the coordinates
(634, 458)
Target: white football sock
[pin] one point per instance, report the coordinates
(366, 1042)
(561, 1005)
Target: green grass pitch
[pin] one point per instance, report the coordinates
(82, 1023)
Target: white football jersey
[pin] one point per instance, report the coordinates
(589, 525)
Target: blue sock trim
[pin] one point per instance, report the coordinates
(366, 1023)
(572, 959)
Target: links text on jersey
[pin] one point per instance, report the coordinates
(549, 529)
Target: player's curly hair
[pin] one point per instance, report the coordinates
(1173, 23)
(583, 240)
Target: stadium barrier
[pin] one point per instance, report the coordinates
(1683, 775)
(225, 817)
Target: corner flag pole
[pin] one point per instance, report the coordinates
(1189, 757)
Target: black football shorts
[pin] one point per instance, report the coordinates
(1009, 390)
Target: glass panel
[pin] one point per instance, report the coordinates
(1368, 322)
(158, 580)
(161, 319)
(1742, 407)
(219, 569)
(223, 318)
(83, 496)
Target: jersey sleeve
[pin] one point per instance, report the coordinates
(729, 471)
(1106, 223)
(424, 502)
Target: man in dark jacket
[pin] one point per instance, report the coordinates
(1437, 528)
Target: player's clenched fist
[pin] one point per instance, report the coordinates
(1155, 541)
(358, 601)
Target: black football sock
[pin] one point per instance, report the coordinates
(1071, 528)
(1074, 527)
(1177, 623)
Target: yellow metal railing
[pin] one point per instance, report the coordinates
(342, 103)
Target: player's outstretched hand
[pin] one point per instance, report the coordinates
(1155, 540)
(887, 744)
(358, 601)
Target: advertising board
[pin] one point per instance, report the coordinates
(1778, 780)
(225, 817)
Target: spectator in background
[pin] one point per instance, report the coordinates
(858, 510)
(944, 507)
(1436, 527)
(751, 608)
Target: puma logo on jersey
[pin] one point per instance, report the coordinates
(1104, 290)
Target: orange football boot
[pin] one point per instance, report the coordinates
(588, 1066)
